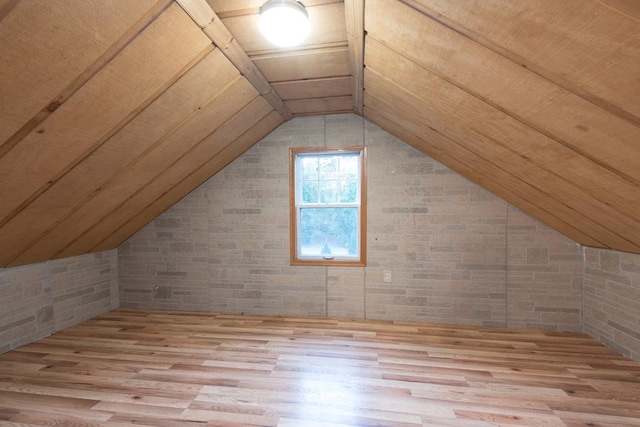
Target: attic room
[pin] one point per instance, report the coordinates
(169, 258)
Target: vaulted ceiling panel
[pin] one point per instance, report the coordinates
(123, 87)
(590, 48)
(563, 115)
(335, 104)
(112, 111)
(115, 95)
(225, 153)
(135, 213)
(398, 115)
(528, 154)
(70, 206)
(313, 64)
(50, 49)
(313, 89)
(112, 209)
(512, 117)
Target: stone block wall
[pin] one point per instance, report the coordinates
(40, 299)
(450, 244)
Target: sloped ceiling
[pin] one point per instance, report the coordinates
(112, 111)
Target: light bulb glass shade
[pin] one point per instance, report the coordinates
(284, 23)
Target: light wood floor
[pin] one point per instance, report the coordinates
(169, 369)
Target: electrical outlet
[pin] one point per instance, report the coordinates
(386, 276)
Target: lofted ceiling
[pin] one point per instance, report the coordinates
(113, 110)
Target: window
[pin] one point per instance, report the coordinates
(328, 206)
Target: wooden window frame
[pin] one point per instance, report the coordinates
(293, 211)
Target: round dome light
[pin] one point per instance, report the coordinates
(284, 23)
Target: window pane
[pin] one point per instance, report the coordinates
(349, 167)
(328, 167)
(328, 232)
(328, 191)
(309, 167)
(349, 191)
(309, 191)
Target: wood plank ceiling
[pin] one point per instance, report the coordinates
(110, 112)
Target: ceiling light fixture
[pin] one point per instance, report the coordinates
(284, 23)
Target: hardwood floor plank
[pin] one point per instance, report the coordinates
(132, 368)
(37, 418)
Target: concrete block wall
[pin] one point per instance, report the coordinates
(612, 299)
(544, 276)
(166, 265)
(40, 299)
(442, 236)
(458, 254)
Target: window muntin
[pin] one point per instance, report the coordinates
(328, 210)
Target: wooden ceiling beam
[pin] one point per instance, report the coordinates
(354, 15)
(212, 26)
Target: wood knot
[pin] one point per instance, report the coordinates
(53, 106)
